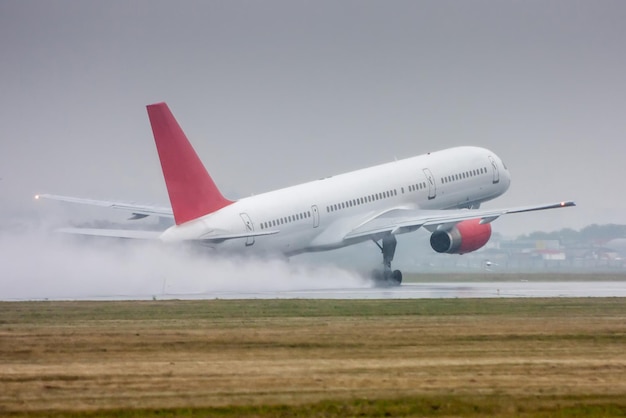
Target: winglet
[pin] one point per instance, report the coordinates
(191, 189)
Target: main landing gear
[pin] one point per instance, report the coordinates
(387, 277)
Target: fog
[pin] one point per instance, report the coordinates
(43, 265)
(276, 93)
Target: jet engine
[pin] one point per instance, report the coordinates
(464, 237)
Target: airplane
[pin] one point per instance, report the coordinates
(439, 191)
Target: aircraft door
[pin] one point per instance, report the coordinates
(316, 216)
(496, 171)
(249, 228)
(430, 181)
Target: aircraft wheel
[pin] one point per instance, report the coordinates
(396, 278)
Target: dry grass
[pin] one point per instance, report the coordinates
(501, 355)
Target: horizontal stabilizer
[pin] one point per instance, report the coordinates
(224, 237)
(113, 233)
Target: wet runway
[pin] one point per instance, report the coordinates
(433, 291)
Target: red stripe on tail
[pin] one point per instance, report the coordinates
(190, 187)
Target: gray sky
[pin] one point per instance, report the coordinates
(275, 93)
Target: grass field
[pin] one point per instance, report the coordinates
(449, 357)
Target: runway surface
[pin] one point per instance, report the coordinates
(433, 291)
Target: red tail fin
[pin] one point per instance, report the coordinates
(190, 187)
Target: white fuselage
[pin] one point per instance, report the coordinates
(316, 216)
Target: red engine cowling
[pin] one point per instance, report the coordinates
(464, 237)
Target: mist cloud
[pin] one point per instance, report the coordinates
(40, 265)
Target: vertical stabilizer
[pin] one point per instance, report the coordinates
(191, 189)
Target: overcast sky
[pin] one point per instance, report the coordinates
(274, 93)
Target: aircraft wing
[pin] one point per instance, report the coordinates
(399, 221)
(139, 211)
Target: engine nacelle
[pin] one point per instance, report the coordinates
(464, 237)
